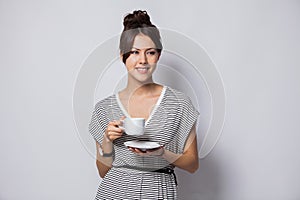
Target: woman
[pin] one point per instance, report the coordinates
(129, 173)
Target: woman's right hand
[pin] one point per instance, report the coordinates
(113, 131)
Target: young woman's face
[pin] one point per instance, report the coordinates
(142, 60)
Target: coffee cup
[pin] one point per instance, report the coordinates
(133, 126)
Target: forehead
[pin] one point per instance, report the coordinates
(143, 42)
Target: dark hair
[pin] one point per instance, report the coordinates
(136, 23)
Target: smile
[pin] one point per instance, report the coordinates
(142, 70)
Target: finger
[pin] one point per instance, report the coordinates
(114, 129)
(132, 149)
(114, 123)
(155, 149)
(114, 135)
(139, 151)
(120, 121)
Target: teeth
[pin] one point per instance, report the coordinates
(142, 69)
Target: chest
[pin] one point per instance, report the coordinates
(162, 117)
(140, 107)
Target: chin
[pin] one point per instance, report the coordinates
(144, 79)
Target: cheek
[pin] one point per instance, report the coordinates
(153, 61)
(130, 64)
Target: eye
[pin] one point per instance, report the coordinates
(134, 52)
(152, 53)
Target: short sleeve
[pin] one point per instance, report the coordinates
(189, 116)
(98, 123)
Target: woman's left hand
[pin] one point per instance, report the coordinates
(152, 152)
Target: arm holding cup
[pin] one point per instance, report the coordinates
(105, 150)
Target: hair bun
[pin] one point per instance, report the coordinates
(137, 19)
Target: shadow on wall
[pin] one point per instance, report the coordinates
(204, 184)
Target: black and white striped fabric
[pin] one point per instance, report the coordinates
(169, 124)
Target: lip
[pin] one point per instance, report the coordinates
(142, 70)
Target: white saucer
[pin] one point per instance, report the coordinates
(142, 145)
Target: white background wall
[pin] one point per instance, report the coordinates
(254, 43)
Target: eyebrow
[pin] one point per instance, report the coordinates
(145, 48)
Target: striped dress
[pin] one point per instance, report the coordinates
(169, 124)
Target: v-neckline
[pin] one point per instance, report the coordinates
(152, 112)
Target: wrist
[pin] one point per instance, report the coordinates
(104, 153)
(106, 149)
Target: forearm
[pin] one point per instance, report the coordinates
(105, 158)
(186, 161)
(104, 163)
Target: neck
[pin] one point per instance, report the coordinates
(140, 88)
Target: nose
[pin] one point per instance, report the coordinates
(143, 58)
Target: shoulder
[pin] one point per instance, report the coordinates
(106, 102)
(183, 103)
(176, 95)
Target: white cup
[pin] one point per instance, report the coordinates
(133, 126)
